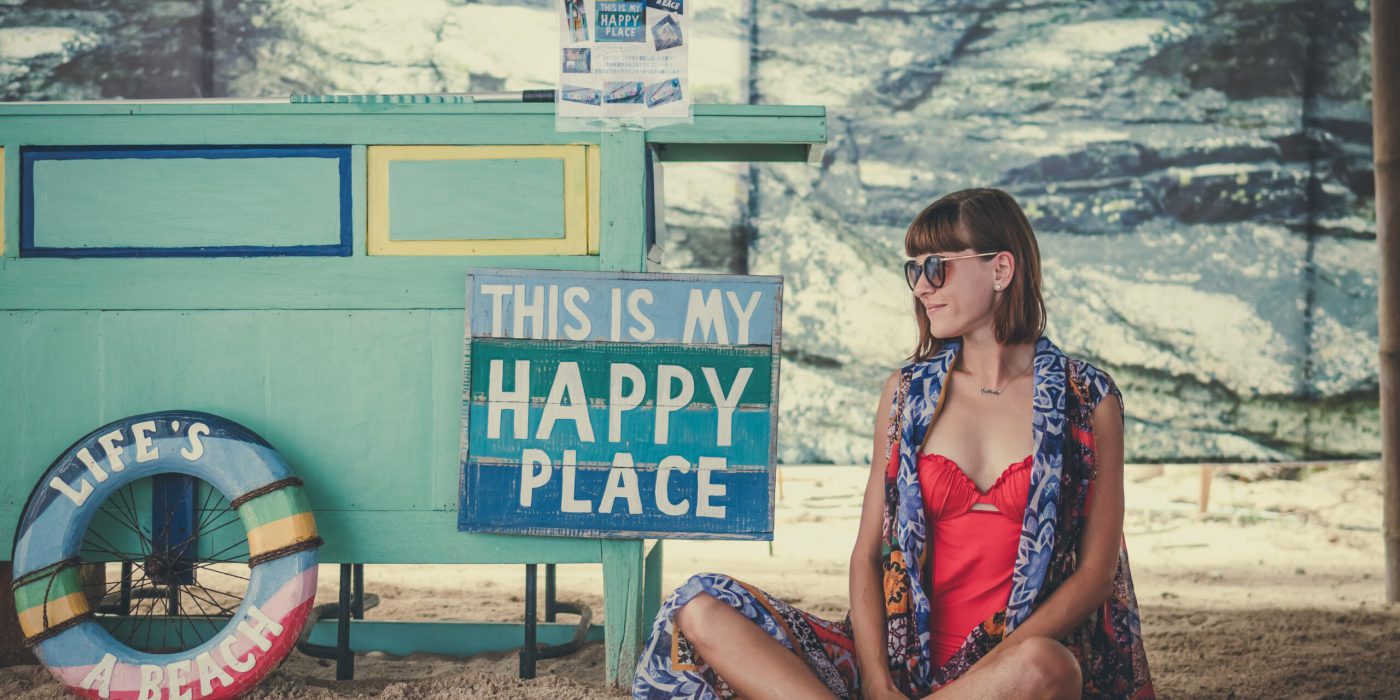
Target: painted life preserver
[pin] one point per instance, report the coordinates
(54, 613)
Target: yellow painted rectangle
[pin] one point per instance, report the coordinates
(61, 610)
(595, 179)
(281, 533)
(581, 185)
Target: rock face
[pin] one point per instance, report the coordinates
(1198, 175)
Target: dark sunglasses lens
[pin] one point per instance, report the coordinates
(933, 270)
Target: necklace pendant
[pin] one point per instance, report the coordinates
(995, 392)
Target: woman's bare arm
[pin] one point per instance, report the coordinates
(867, 586)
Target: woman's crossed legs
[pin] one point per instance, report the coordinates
(758, 666)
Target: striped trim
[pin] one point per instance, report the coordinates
(289, 550)
(271, 507)
(33, 592)
(43, 572)
(37, 620)
(265, 489)
(278, 534)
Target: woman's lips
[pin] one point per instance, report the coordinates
(934, 307)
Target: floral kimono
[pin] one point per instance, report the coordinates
(1107, 644)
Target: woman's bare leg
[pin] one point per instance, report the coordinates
(1038, 667)
(753, 663)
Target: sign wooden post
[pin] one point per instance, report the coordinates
(609, 404)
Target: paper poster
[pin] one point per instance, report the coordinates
(622, 62)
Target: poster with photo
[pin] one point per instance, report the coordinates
(622, 63)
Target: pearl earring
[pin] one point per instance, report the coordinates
(997, 288)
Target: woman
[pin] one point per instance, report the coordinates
(998, 581)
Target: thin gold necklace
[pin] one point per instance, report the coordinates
(997, 392)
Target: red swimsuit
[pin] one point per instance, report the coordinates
(973, 552)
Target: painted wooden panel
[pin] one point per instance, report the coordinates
(9, 198)
(475, 199)
(595, 212)
(343, 395)
(50, 395)
(622, 405)
(442, 216)
(162, 202)
(378, 282)
(3, 215)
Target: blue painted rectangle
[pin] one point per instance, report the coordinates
(745, 499)
(476, 199)
(563, 380)
(207, 201)
(693, 309)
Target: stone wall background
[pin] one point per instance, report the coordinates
(1198, 174)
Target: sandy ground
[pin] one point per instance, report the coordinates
(1277, 591)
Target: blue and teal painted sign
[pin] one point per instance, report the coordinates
(613, 404)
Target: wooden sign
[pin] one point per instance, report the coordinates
(610, 404)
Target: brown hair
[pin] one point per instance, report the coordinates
(986, 220)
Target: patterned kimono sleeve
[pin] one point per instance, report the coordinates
(1100, 384)
(670, 666)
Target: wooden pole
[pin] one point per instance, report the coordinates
(1385, 125)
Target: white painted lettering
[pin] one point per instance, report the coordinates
(141, 435)
(498, 400)
(568, 503)
(620, 400)
(706, 315)
(209, 671)
(196, 448)
(646, 331)
(568, 383)
(177, 677)
(725, 402)
(744, 314)
(663, 477)
(112, 449)
(100, 677)
(93, 467)
(530, 479)
(151, 677)
(79, 496)
(525, 309)
(669, 400)
(622, 483)
(706, 490)
(572, 296)
(226, 648)
(497, 292)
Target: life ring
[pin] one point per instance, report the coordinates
(54, 612)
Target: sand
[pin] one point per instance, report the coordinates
(1277, 591)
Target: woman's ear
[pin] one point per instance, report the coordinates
(1005, 268)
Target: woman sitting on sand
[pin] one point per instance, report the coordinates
(969, 577)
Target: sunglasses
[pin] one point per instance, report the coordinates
(933, 268)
